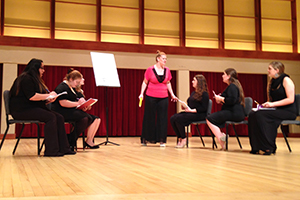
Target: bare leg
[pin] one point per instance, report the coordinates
(217, 132)
(91, 132)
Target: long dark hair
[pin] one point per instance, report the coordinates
(32, 69)
(201, 87)
(234, 80)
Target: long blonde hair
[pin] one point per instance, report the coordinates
(276, 65)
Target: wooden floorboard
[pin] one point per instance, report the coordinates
(131, 171)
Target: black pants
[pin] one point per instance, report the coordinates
(155, 122)
(54, 130)
(180, 120)
(262, 128)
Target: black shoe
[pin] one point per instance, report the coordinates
(55, 155)
(70, 152)
(91, 147)
(254, 152)
(265, 153)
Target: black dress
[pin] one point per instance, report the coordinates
(24, 109)
(180, 120)
(82, 119)
(232, 109)
(263, 124)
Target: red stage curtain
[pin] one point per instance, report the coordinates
(125, 117)
(254, 85)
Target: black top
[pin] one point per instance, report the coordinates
(28, 88)
(232, 101)
(277, 93)
(68, 113)
(201, 106)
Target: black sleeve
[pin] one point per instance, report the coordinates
(29, 87)
(203, 104)
(61, 88)
(69, 96)
(231, 95)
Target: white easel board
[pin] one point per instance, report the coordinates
(105, 69)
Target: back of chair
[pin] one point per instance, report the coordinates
(209, 107)
(6, 101)
(248, 105)
(298, 104)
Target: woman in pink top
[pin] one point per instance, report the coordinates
(157, 81)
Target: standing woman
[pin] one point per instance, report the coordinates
(66, 106)
(157, 81)
(233, 102)
(28, 98)
(263, 124)
(197, 110)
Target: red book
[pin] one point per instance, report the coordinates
(86, 104)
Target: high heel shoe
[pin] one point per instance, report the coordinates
(91, 147)
(223, 137)
(182, 144)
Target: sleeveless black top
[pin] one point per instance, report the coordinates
(277, 93)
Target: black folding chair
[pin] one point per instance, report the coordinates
(287, 122)
(10, 120)
(247, 110)
(197, 123)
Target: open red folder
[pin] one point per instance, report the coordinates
(88, 103)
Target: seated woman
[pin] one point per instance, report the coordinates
(196, 110)
(66, 106)
(28, 98)
(263, 124)
(233, 102)
(90, 132)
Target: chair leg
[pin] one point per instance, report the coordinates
(214, 144)
(226, 136)
(18, 139)
(5, 133)
(187, 136)
(197, 128)
(83, 141)
(237, 137)
(42, 145)
(285, 138)
(39, 149)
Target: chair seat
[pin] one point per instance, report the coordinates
(232, 122)
(13, 121)
(200, 122)
(296, 122)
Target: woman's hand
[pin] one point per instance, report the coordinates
(141, 96)
(52, 97)
(174, 98)
(87, 108)
(81, 101)
(219, 99)
(268, 105)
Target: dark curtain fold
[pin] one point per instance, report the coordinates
(254, 85)
(124, 116)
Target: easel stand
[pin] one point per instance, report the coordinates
(107, 141)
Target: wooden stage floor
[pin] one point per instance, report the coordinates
(131, 171)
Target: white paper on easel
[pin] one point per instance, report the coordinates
(105, 69)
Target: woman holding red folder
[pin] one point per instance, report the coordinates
(66, 106)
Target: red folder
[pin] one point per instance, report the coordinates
(89, 102)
